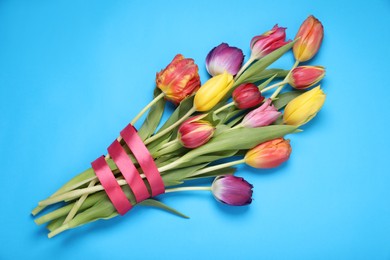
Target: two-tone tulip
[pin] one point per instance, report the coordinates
(269, 154)
(246, 96)
(213, 91)
(195, 132)
(308, 39)
(179, 79)
(224, 58)
(232, 190)
(303, 108)
(304, 77)
(268, 42)
(264, 115)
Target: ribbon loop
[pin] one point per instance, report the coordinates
(128, 170)
(145, 160)
(111, 186)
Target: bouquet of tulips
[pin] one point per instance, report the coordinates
(240, 115)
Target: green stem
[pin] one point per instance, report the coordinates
(75, 193)
(219, 166)
(207, 188)
(170, 128)
(58, 230)
(277, 91)
(154, 101)
(244, 67)
(172, 147)
(78, 204)
(173, 142)
(273, 86)
(224, 107)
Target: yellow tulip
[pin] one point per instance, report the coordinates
(303, 108)
(213, 91)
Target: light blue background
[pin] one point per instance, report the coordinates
(74, 73)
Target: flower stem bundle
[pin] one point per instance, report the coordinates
(238, 116)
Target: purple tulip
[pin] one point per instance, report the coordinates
(224, 58)
(232, 190)
(265, 115)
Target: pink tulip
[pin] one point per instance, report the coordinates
(268, 42)
(265, 115)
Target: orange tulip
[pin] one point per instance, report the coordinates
(179, 79)
(309, 39)
(269, 154)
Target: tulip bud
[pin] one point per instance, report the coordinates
(247, 95)
(213, 91)
(268, 42)
(270, 154)
(195, 132)
(310, 36)
(232, 190)
(224, 58)
(303, 108)
(179, 79)
(303, 77)
(265, 115)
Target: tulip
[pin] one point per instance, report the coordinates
(224, 58)
(179, 79)
(308, 39)
(265, 115)
(303, 77)
(246, 96)
(194, 132)
(268, 42)
(270, 154)
(213, 91)
(232, 190)
(303, 108)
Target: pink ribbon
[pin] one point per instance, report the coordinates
(128, 170)
(145, 160)
(111, 186)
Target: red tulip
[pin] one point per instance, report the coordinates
(303, 77)
(195, 132)
(247, 95)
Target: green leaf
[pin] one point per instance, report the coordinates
(278, 73)
(263, 63)
(265, 83)
(54, 224)
(236, 120)
(285, 98)
(158, 204)
(179, 112)
(238, 139)
(154, 116)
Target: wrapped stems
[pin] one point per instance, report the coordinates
(74, 194)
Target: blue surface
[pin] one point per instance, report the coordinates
(73, 74)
